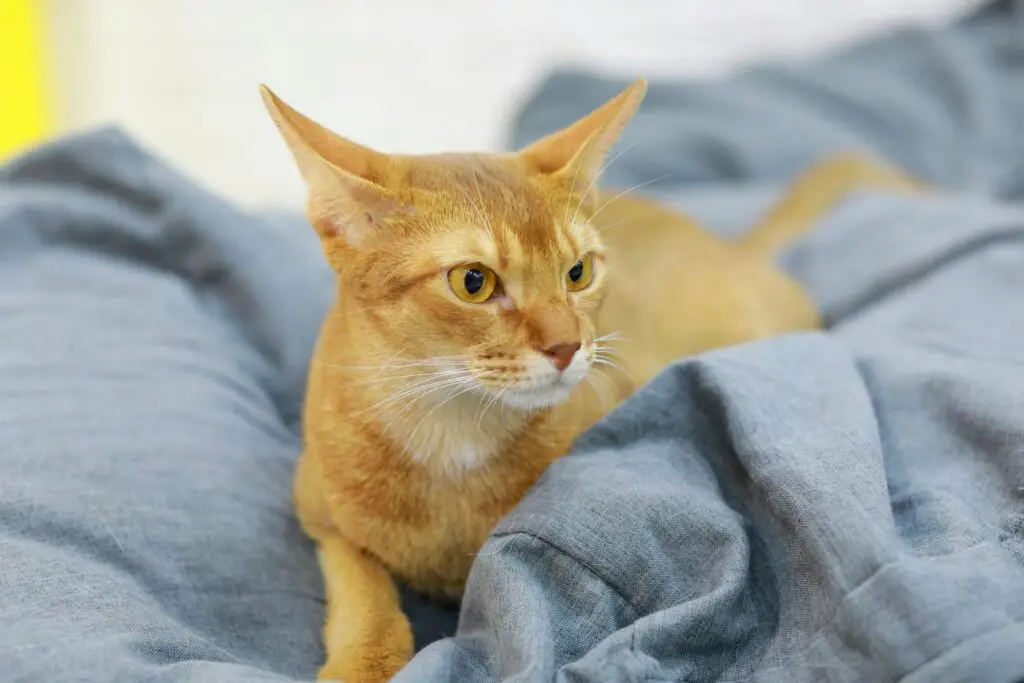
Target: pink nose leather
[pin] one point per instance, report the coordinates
(561, 354)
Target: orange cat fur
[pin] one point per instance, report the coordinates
(429, 416)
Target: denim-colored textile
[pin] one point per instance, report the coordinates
(836, 506)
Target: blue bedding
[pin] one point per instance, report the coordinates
(838, 506)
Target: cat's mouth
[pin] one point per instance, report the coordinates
(547, 392)
(539, 397)
(540, 385)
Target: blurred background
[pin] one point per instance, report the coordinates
(399, 75)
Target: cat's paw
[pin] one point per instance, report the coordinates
(376, 663)
(361, 670)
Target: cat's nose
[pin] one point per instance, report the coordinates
(561, 354)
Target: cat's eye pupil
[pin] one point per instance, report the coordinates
(576, 272)
(474, 280)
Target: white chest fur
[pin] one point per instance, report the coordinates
(458, 437)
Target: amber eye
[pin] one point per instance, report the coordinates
(580, 275)
(474, 282)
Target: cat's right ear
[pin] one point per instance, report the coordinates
(346, 197)
(574, 155)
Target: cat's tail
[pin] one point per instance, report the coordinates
(815, 192)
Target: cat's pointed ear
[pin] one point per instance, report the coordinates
(346, 198)
(575, 154)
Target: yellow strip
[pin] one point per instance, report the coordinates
(24, 115)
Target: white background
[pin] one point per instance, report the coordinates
(400, 75)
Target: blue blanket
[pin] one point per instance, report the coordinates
(837, 506)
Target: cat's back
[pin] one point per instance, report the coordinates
(677, 289)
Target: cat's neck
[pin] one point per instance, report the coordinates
(455, 435)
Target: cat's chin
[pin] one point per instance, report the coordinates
(537, 398)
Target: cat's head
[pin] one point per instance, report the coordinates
(485, 264)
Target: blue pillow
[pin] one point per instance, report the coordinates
(153, 348)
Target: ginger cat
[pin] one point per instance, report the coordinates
(476, 294)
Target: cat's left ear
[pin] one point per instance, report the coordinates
(348, 196)
(574, 155)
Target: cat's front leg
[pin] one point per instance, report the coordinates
(366, 634)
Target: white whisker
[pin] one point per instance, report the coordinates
(463, 378)
(430, 412)
(625, 221)
(594, 181)
(495, 396)
(412, 401)
(607, 351)
(625, 192)
(405, 363)
(382, 379)
(592, 382)
(421, 387)
(609, 362)
(572, 189)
